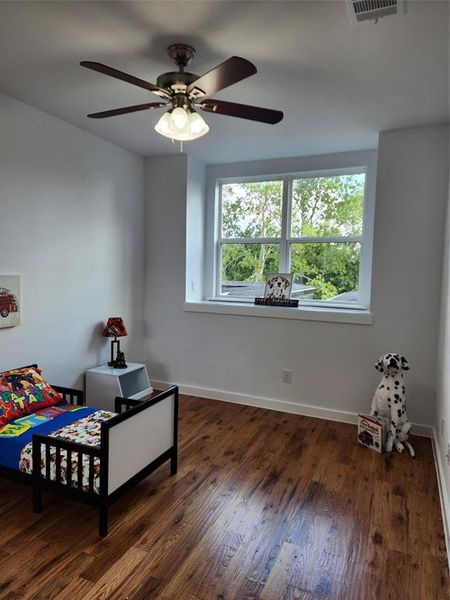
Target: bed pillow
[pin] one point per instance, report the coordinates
(18, 378)
(24, 391)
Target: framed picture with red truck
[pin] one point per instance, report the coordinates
(9, 300)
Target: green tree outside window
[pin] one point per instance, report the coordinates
(321, 207)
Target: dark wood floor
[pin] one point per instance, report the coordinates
(266, 506)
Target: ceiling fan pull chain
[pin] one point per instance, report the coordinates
(181, 144)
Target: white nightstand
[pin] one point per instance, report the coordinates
(104, 383)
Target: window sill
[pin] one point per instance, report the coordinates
(335, 315)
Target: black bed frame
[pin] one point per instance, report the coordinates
(101, 500)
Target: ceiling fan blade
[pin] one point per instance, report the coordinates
(125, 110)
(95, 66)
(231, 71)
(243, 111)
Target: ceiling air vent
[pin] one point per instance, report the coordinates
(372, 10)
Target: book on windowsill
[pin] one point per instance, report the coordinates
(286, 302)
(372, 431)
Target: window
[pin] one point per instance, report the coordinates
(309, 224)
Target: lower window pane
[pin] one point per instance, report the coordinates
(329, 270)
(245, 268)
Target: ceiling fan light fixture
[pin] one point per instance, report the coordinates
(182, 92)
(195, 127)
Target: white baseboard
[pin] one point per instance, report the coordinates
(443, 494)
(297, 408)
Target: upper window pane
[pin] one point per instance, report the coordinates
(327, 206)
(252, 209)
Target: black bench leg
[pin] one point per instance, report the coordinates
(174, 463)
(37, 499)
(103, 520)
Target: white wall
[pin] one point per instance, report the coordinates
(72, 224)
(408, 242)
(332, 363)
(195, 229)
(442, 425)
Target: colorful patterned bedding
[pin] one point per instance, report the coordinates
(66, 422)
(84, 431)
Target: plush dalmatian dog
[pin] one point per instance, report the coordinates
(390, 401)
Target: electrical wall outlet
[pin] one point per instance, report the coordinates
(287, 376)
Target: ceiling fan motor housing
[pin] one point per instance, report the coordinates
(177, 81)
(175, 78)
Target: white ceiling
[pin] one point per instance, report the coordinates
(338, 85)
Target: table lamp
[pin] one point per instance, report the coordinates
(115, 328)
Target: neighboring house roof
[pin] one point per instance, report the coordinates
(347, 297)
(255, 289)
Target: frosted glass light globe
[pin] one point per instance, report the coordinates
(197, 125)
(179, 118)
(163, 125)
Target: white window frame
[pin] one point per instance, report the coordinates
(286, 240)
(201, 293)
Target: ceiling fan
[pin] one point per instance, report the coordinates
(183, 93)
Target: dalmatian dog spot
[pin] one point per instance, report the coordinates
(392, 366)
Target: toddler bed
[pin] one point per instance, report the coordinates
(49, 439)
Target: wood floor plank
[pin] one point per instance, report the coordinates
(116, 582)
(265, 506)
